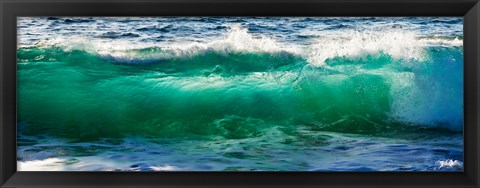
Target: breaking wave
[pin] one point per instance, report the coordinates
(356, 82)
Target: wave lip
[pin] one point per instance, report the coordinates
(399, 44)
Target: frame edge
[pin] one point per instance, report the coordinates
(2, 174)
(473, 15)
(471, 46)
(7, 151)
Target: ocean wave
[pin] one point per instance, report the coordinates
(365, 83)
(120, 102)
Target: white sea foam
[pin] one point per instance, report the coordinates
(355, 44)
(237, 40)
(441, 42)
(164, 168)
(398, 43)
(49, 164)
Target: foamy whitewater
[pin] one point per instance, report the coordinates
(240, 94)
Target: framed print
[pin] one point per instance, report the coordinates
(240, 93)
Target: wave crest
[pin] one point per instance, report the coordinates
(399, 44)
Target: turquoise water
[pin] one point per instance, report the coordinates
(313, 94)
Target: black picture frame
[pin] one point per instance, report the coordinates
(10, 9)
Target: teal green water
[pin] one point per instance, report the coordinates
(84, 96)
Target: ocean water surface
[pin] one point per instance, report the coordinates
(240, 94)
